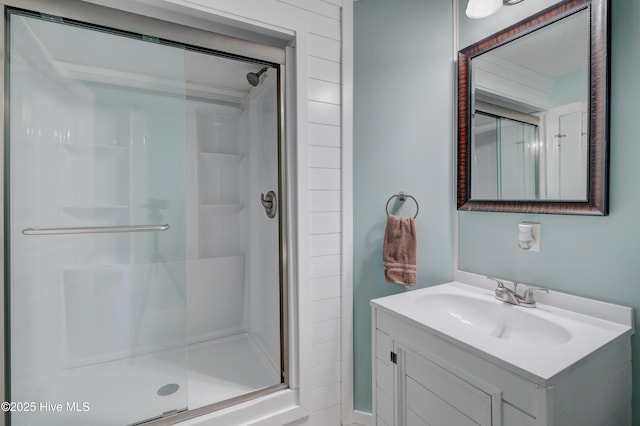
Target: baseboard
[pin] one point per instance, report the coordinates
(361, 418)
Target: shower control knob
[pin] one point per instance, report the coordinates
(270, 203)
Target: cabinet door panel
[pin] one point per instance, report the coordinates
(384, 377)
(429, 406)
(414, 420)
(467, 399)
(384, 346)
(513, 416)
(380, 422)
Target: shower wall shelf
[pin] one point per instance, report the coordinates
(220, 146)
(95, 149)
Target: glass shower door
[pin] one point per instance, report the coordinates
(96, 225)
(234, 206)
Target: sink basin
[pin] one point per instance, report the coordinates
(538, 343)
(493, 318)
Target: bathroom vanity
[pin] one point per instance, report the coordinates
(454, 355)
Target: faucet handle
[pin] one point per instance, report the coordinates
(527, 297)
(500, 283)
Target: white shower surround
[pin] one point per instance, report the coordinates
(319, 130)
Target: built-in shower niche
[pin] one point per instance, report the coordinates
(220, 146)
(217, 264)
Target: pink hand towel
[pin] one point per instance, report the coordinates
(399, 250)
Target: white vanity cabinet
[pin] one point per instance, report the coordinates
(423, 377)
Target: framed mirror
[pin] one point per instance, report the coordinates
(533, 109)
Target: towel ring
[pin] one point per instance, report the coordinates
(402, 196)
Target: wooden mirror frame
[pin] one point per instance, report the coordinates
(597, 202)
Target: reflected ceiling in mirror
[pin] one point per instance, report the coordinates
(532, 130)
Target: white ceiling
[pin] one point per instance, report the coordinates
(557, 49)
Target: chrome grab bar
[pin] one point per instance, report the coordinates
(95, 229)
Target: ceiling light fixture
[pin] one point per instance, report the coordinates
(477, 9)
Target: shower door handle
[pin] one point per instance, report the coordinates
(95, 229)
(270, 203)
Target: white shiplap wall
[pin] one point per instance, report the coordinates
(320, 143)
(325, 217)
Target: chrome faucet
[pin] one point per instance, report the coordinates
(511, 296)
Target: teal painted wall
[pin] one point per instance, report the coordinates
(597, 257)
(403, 141)
(403, 123)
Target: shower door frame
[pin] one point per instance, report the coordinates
(192, 39)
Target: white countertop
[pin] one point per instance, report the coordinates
(533, 355)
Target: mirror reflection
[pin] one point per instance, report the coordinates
(529, 115)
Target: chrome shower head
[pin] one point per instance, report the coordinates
(254, 77)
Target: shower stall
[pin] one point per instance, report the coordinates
(145, 225)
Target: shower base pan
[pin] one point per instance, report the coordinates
(154, 384)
